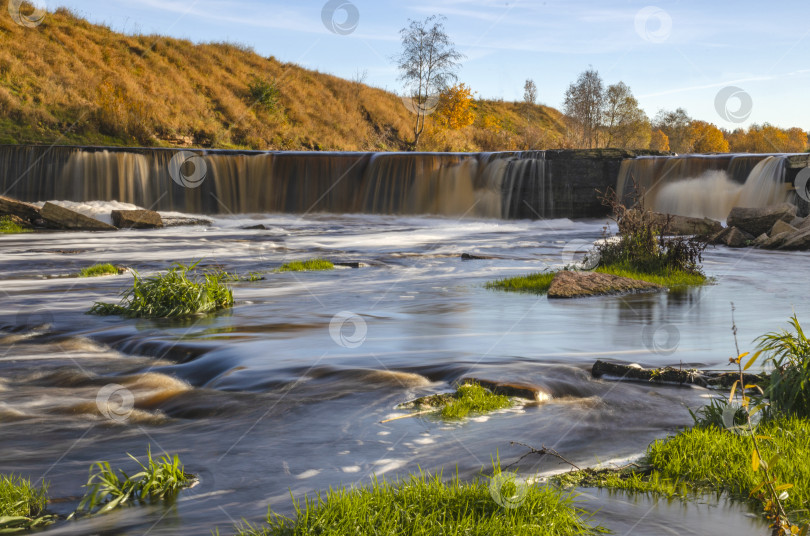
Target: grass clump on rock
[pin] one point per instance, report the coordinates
(311, 265)
(469, 397)
(98, 270)
(425, 505)
(22, 505)
(174, 294)
(9, 226)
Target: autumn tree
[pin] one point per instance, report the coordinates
(529, 94)
(583, 107)
(707, 138)
(427, 64)
(675, 124)
(768, 139)
(455, 109)
(625, 123)
(659, 141)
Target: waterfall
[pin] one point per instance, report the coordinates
(490, 185)
(704, 185)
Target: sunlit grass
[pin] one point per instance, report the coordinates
(472, 398)
(9, 226)
(537, 283)
(98, 270)
(310, 265)
(669, 278)
(715, 459)
(424, 505)
(157, 480)
(176, 293)
(22, 505)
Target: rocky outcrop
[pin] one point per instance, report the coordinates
(733, 238)
(64, 218)
(685, 225)
(782, 227)
(570, 284)
(756, 221)
(24, 211)
(799, 240)
(136, 219)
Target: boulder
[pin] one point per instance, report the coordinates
(736, 238)
(799, 240)
(756, 221)
(64, 218)
(24, 211)
(776, 241)
(136, 219)
(761, 239)
(570, 284)
(798, 222)
(685, 225)
(782, 227)
(720, 236)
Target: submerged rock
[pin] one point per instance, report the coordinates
(704, 378)
(177, 221)
(756, 221)
(569, 284)
(65, 218)
(136, 219)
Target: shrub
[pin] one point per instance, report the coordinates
(171, 295)
(643, 243)
(263, 94)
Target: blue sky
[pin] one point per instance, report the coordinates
(670, 53)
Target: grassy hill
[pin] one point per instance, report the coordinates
(71, 82)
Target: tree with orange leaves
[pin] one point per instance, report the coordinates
(455, 108)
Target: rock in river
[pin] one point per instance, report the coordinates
(570, 284)
(756, 221)
(136, 219)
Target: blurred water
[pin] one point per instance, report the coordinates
(284, 392)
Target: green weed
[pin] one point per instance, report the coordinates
(98, 270)
(173, 294)
(306, 266)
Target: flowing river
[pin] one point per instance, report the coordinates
(284, 393)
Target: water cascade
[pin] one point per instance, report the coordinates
(705, 185)
(493, 185)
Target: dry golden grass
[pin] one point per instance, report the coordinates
(68, 81)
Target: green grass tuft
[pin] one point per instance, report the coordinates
(715, 459)
(306, 266)
(424, 505)
(98, 270)
(157, 480)
(174, 294)
(537, 283)
(9, 226)
(22, 505)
